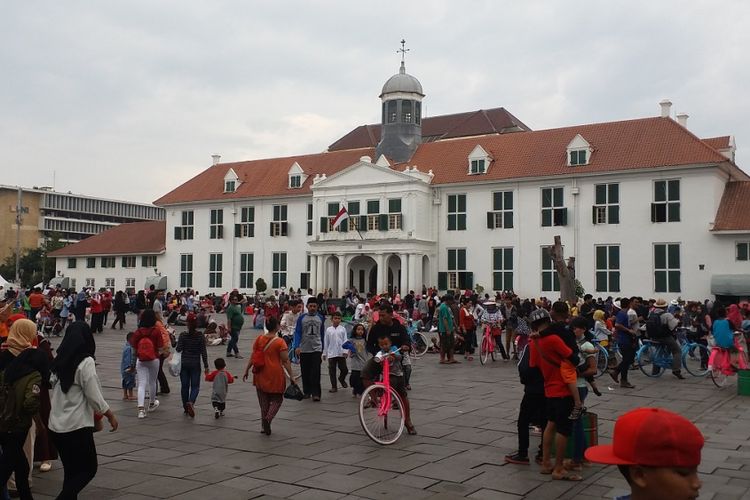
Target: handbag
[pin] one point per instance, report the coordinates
(293, 392)
(259, 357)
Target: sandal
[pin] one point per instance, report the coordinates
(566, 476)
(576, 413)
(546, 471)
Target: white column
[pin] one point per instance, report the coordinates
(413, 285)
(320, 281)
(380, 259)
(342, 275)
(403, 286)
(418, 273)
(312, 282)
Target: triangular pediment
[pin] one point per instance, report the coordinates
(579, 142)
(364, 173)
(231, 175)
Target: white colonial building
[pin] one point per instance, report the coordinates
(645, 206)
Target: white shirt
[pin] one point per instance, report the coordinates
(288, 323)
(75, 410)
(359, 311)
(335, 338)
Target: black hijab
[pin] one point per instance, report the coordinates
(77, 345)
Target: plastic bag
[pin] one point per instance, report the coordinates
(175, 364)
(293, 392)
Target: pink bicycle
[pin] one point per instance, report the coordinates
(487, 347)
(381, 411)
(723, 363)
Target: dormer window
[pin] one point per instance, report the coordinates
(231, 181)
(578, 157)
(479, 161)
(579, 151)
(297, 176)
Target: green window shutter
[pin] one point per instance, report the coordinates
(660, 257)
(593, 214)
(673, 212)
(251, 231)
(614, 281)
(461, 222)
(333, 209)
(508, 200)
(383, 222)
(497, 281)
(324, 224)
(660, 281)
(490, 220)
(546, 217)
(303, 277)
(461, 259)
(394, 205)
(451, 260)
(742, 251)
(344, 226)
(613, 193)
(284, 228)
(601, 194)
(673, 256)
(673, 191)
(178, 233)
(466, 280)
(452, 203)
(613, 217)
(497, 201)
(362, 223)
(508, 259)
(270, 229)
(660, 191)
(237, 230)
(508, 220)
(653, 212)
(442, 281)
(497, 259)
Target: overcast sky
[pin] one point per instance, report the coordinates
(129, 99)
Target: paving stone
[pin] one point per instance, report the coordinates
(336, 482)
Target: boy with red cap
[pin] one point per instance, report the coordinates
(657, 451)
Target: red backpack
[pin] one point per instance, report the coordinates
(145, 349)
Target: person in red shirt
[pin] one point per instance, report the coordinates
(547, 351)
(106, 305)
(36, 302)
(271, 310)
(97, 313)
(468, 327)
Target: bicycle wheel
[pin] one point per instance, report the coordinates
(484, 350)
(695, 359)
(646, 359)
(418, 345)
(602, 361)
(383, 429)
(718, 377)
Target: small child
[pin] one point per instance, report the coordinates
(334, 352)
(580, 329)
(126, 369)
(392, 355)
(221, 380)
(358, 356)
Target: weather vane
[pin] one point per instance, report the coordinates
(403, 50)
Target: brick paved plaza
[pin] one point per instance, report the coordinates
(465, 415)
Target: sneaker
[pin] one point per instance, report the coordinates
(333, 389)
(627, 385)
(190, 410)
(45, 467)
(344, 385)
(153, 406)
(517, 458)
(576, 413)
(237, 356)
(216, 413)
(141, 414)
(678, 375)
(229, 355)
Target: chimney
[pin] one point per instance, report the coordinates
(215, 159)
(682, 119)
(666, 108)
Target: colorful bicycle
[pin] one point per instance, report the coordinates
(381, 411)
(723, 363)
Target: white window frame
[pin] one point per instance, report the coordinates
(216, 224)
(553, 207)
(667, 202)
(187, 228)
(603, 209)
(554, 279)
(503, 273)
(90, 282)
(458, 213)
(186, 270)
(129, 261)
(737, 245)
(279, 272)
(668, 269)
(499, 213)
(230, 186)
(215, 269)
(148, 261)
(453, 273)
(130, 283)
(108, 262)
(247, 275)
(109, 282)
(607, 270)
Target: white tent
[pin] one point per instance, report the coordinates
(4, 282)
(39, 285)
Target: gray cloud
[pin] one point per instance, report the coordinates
(129, 99)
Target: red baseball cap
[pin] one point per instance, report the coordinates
(652, 437)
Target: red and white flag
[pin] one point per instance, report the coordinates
(340, 217)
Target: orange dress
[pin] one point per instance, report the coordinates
(271, 378)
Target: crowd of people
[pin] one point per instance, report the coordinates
(354, 334)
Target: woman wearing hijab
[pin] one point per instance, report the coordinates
(76, 397)
(24, 369)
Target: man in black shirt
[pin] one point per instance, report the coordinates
(386, 325)
(587, 309)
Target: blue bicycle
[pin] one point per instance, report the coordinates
(654, 358)
(603, 357)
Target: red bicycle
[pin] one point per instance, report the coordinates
(381, 411)
(487, 346)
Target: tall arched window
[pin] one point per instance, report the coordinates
(406, 116)
(392, 114)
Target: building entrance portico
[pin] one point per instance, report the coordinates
(374, 272)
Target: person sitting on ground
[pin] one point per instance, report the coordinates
(666, 467)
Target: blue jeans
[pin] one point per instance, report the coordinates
(234, 338)
(579, 439)
(190, 377)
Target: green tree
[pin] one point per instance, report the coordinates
(35, 265)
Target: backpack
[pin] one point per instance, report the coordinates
(8, 411)
(654, 328)
(145, 349)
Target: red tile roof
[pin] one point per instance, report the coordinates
(718, 143)
(734, 209)
(126, 239)
(260, 178)
(434, 128)
(624, 145)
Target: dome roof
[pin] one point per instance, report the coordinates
(402, 82)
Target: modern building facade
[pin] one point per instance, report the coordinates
(70, 217)
(645, 206)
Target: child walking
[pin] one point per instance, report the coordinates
(126, 369)
(335, 337)
(221, 380)
(358, 356)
